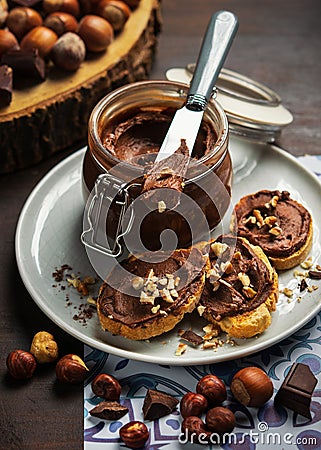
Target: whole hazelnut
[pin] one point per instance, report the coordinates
(213, 388)
(8, 41)
(115, 11)
(106, 386)
(41, 38)
(61, 22)
(134, 434)
(68, 52)
(21, 364)
(220, 420)
(44, 347)
(251, 386)
(194, 429)
(68, 6)
(193, 404)
(96, 32)
(3, 12)
(71, 369)
(22, 19)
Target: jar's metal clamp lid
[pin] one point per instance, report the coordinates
(253, 110)
(108, 189)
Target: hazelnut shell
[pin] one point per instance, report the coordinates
(251, 386)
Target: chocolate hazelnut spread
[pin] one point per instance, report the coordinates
(272, 220)
(128, 309)
(138, 138)
(243, 286)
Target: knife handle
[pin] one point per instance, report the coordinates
(215, 47)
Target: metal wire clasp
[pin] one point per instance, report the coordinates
(107, 189)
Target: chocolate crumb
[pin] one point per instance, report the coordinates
(158, 404)
(303, 285)
(192, 337)
(315, 274)
(109, 410)
(58, 275)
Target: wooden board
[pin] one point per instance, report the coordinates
(45, 118)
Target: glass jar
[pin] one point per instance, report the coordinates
(208, 178)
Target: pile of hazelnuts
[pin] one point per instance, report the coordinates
(21, 364)
(251, 386)
(61, 31)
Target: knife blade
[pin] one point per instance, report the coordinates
(215, 47)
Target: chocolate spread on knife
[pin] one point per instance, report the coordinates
(293, 222)
(128, 309)
(227, 296)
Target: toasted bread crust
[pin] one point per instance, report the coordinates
(161, 323)
(254, 322)
(159, 326)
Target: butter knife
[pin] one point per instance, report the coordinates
(215, 47)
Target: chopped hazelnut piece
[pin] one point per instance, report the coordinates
(274, 201)
(200, 310)
(177, 280)
(216, 286)
(173, 293)
(171, 284)
(163, 281)
(137, 283)
(161, 206)
(224, 282)
(288, 292)
(244, 279)
(237, 255)
(226, 267)
(166, 296)
(213, 275)
(181, 349)
(219, 248)
(307, 264)
(210, 331)
(257, 214)
(249, 292)
(155, 309)
(275, 231)
(146, 299)
(251, 220)
(91, 301)
(271, 221)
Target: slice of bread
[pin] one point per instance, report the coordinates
(136, 314)
(226, 302)
(280, 225)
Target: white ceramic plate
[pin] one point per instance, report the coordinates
(48, 235)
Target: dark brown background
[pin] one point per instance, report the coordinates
(278, 43)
